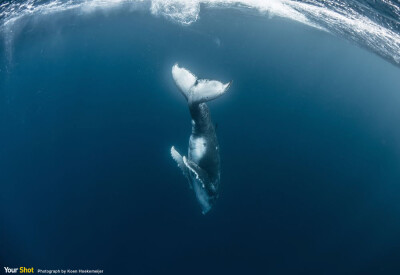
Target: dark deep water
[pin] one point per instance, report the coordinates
(309, 136)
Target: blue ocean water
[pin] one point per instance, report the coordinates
(309, 136)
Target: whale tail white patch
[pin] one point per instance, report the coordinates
(195, 90)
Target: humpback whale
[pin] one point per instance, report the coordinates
(202, 165)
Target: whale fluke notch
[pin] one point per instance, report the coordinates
(196, 90)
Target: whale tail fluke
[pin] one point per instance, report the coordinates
(195, 90)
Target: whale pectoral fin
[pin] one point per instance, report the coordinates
(179, 160)
(197, 171)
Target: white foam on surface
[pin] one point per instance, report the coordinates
(336, 16)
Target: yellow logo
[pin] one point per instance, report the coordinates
(26, 270)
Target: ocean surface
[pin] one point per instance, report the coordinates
(309, 136)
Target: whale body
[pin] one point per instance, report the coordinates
(202, 165)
